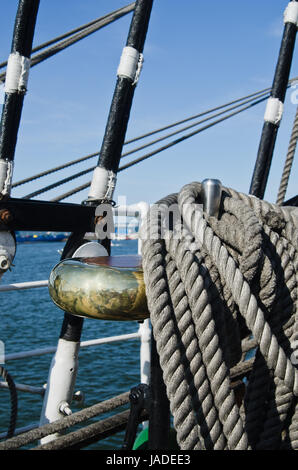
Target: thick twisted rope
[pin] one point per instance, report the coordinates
(213, 286)
(288, 163)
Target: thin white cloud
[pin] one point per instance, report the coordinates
(275, 29)
(2, 93)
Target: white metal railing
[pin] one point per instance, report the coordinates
(143, 333)
(23, 285)
(83, 344)
(138, 210)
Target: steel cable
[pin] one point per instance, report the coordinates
(69, 33)
(88, 170)
(62, 45)
(160, 149)
(161, 129)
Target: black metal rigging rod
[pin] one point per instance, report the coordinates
(112, 142)
(278, 92)
(117, 123)
(15, 88)
(109, 159)
(74, 38)
(116, 127)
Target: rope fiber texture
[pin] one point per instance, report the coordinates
(288, 163)
(214, 285)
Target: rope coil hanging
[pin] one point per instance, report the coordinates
(210, 284)
(288, 163)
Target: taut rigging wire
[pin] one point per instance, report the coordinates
(60, 46)
(160, 149)
(148, 134)
(88, 170)
(69, 33)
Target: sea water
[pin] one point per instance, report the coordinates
(30, 320)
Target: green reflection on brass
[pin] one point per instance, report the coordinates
(97, 291)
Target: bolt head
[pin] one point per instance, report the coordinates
(4, 263)
(5, 216)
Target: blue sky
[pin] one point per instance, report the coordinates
(198, 54)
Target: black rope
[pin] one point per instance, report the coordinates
(270, 130)
(60, 46)
(13, 399)
(160, 149)
(13, 102)
(81, 173)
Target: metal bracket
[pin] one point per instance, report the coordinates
(7, 251)
(139, 400)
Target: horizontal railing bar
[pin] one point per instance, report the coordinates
(87, 343)
(25, 388)
(24, 285)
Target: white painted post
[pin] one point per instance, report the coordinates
(64, 365)
(145, 354)
(60, 384)
(145, 335)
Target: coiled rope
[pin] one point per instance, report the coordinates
(14, 401)
(210, 283)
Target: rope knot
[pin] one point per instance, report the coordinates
(274, 221)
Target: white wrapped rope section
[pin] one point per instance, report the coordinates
(6, 169)
(130, 65)
(103, 184)
(274, 111)
(17, 73)
(291, 13)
